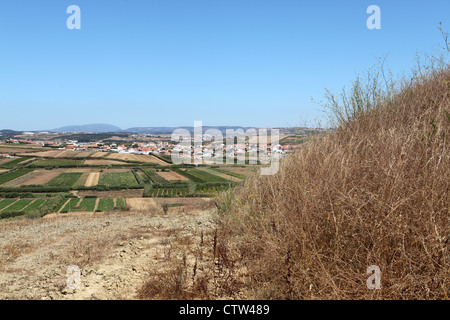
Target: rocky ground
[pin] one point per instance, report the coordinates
(115, 252)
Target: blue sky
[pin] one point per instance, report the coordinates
(170, 62)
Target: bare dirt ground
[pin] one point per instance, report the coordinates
(99, 154)
(116, 252)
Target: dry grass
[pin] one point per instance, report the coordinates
(171, 176)
(374, 192)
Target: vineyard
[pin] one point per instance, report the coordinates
(64, 180)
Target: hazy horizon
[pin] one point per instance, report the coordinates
(169, 63)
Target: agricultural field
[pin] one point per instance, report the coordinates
(52, 163)
(21, 180)
(84, 205)
(128, 184)
(237, 171)
(167, 191)
(226, 176)
(210, 188)
(201, 176)
(101, 162)
(36, 204)
(13, 175)
(17, 206)
(92, 179)
(93, 205)
(6, 202)
(53, 154)
(65, 180)
(11, 163)
(136, 158)
(153, 176)
(230, 173)
(118, 179)
(171, 176)
(38, 177)
(98, 155)
(106, 204)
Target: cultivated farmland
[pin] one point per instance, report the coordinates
(12, 163)
(92, 179)
(106, 204)
(117, 179)
(171, 176)
(65, 180)
(136, 158)
(56, 163)
(18, 206)
(13, 175)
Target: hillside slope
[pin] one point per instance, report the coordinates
(374, 192)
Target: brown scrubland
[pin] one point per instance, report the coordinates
(375, 191)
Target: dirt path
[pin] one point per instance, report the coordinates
(115, 252)
(96, 204)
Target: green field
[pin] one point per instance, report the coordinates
(70, 205)
(35, 205)
(13, 175)
(64, 180)
(200, 176)
(87, 204)
(13, 163)
(120, 204)
(6, 202)
(118, 179)
(18, 206)
(56, 163)
(153, 176)
(106, 204)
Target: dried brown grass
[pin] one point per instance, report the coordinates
(373, 192)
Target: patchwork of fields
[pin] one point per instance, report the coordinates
(34, 184)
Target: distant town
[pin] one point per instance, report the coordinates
(155, 144)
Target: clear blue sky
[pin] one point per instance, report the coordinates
(170, 62)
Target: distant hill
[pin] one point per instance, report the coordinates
(91, 128)
(168, 130)
(107, 128)
(6, 133)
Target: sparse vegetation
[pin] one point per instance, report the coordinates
(374, 192)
